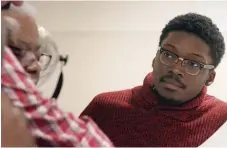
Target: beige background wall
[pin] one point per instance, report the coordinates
(112, 44)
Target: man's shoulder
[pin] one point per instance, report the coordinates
(214, 101)
(216, 104)
(116, 98)
(112, 96)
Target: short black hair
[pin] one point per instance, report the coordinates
(201, 26)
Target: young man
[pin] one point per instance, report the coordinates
(172, 108)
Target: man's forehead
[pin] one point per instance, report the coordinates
(19, 16)
(188, 44)
(27, 23)
(187, 40)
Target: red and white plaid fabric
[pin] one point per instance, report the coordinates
(46, 119)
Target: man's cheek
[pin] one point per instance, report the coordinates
(162, 69)
(24, 61)
(158, 72)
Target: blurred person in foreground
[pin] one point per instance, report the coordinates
(172, 108)
(25, 46)
(42, 62)
(48, 124)
(14, 127)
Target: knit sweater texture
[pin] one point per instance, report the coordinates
(134, 118)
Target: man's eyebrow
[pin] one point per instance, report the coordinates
(171, 46)
(198, 55)
(167, 44)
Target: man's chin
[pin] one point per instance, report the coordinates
(170, 98)
(170, 101)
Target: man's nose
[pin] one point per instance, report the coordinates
(30, 62)
(178, 69)
(34, 67)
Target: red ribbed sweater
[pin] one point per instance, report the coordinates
(134, 118)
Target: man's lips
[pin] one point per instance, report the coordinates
(171, 87)
(175, 83)
(172, 84)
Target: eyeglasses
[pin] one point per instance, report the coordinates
(191, 67)
(44, 60)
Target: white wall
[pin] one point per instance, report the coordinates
(112, 44)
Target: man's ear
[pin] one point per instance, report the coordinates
(211, 78)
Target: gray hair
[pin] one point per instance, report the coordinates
(10, 26)
(25, 8)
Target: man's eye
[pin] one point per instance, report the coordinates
(193, 64)
(168, 55)
(16, 51)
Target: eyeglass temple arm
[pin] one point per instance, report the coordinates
(208, 66)
(64, 59)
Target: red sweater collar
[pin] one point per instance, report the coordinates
(150, 100)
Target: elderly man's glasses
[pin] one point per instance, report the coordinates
(43, 58)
